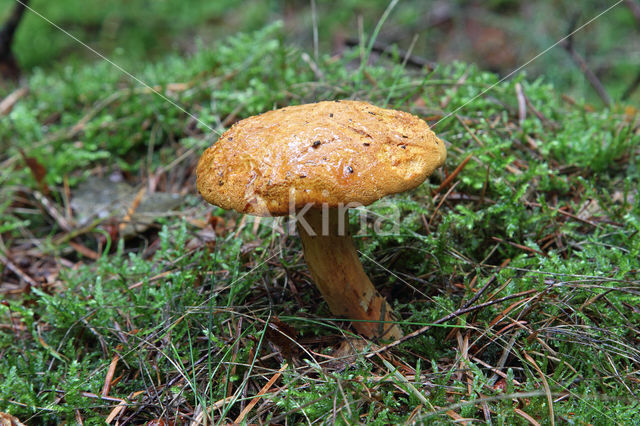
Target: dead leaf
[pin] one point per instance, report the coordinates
(38, 171)
(283, 336)
(347, 352)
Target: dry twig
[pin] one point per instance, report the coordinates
(582, 64)
(6, 105)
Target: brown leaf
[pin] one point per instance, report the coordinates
(283, 336)
(38, 171)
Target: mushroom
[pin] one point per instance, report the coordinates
(315, 161)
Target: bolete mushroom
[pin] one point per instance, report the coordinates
(315, 161)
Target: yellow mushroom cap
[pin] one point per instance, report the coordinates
(327, 153)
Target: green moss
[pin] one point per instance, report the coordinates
(191, 326)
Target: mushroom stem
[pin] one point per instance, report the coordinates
(338, 274)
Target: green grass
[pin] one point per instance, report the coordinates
(198, 324)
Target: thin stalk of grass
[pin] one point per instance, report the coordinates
(372, 41)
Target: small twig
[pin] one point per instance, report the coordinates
(262, 391)
(93, 396)
(545, 121)
(582, 64)
(495, 370)
(471, 133)
(526, 416)
(435, 211)
(14, 268)
(453, 175)
(84, 250)
(121, 406)
(77, 232)
(486, 184)
(545, 384)
(109, 377)
(103, 343)
(231, 118)
(522, 104)
(52, 211)
(381, 49)
(199, 417)
(6, 105)
(503, 358)
(66, 196)
(313, 65)
(314, 24)
(132, 209)
(564, 213)
(520, 246)
(631, 88)
(486, 286)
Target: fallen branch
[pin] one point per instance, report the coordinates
(582, 64)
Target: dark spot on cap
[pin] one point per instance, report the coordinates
(349, 169)
(405, 136)
(366, 144)
(403, 146)
(303, 176)
(350, 120)
(371, 112)
(220, 183)
(230, 138)
(330, 114)
(316, 144)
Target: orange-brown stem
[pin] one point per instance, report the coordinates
(338, 274)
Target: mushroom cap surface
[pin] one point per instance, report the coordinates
(334, 153)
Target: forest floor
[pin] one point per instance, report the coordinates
(515, 268)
